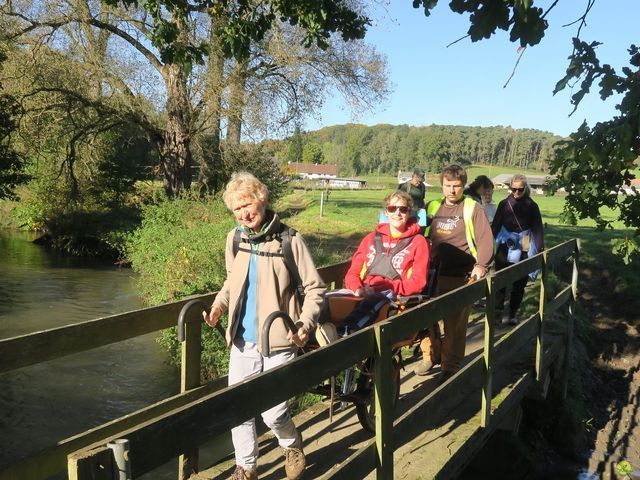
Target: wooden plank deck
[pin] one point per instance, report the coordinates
(327, 445)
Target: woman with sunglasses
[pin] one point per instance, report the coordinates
(399, 262)
(517, 228)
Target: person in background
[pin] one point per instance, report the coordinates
(478, 188)
(488, 204)
(462, 243)
(257, 284)
(517, 228)
(415, 188)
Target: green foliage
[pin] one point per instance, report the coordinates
(245, 23)
(385, 149)
(178, 250)
(526, 22)
(118, 165)
(256, 159)
(626, 248)
(295, 147)
(594, 164)
(312, 153)
(215, 355)
(12, 164)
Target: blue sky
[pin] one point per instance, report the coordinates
(463, 84)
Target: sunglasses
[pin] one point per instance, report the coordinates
(393, 208)
(514, 190)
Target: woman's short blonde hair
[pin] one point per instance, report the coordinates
(519, 177)
(399, 194)
(244, 185)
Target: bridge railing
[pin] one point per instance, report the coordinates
(181, 430)
(38, 347)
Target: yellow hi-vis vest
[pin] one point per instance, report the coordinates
(467, 217)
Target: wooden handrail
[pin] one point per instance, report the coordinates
(190, 423)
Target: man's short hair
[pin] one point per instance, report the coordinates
(454, 172)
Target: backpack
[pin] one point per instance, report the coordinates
(284, 237)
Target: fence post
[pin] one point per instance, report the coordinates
(541, 320)
(382, 376)
(570, 322)
(189, 379)
(487, 381)
(120, 448)
(322, 203)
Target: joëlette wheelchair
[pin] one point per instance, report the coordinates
(356, 384)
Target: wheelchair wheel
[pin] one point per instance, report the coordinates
(366, 409)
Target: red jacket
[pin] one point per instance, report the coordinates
(412, 263)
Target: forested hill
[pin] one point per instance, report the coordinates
(359, 149)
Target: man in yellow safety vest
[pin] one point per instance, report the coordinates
(462, 245)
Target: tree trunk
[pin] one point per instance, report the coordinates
(175, 148)
(212, 154)
(236, 103)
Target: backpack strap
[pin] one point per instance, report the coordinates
(284, 237)
(290, 263)
(236, 242)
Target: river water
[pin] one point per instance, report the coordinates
(44, 403)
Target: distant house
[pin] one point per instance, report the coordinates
(536, 182)
(350, 183)
(314, 171)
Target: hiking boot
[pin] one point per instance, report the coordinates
(506, 318)
(514, 320)
(424, 367)
(294, 460)
(240, 473)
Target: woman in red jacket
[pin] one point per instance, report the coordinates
(394, 257)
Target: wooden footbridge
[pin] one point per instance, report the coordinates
(433, 432)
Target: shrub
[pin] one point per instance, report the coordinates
(178, 250)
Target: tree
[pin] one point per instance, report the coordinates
(312, 153)
(165, 40)
(11, 163)
(597, 160)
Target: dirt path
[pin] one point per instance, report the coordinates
(612, 385)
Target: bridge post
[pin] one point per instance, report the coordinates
(383, 375)
(541, 319)
(191, 350)
(487, 381)
(570, 322)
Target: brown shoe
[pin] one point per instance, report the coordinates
(240, 473)
(294, 460)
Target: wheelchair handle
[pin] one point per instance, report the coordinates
(183, 314)
(288, 323)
